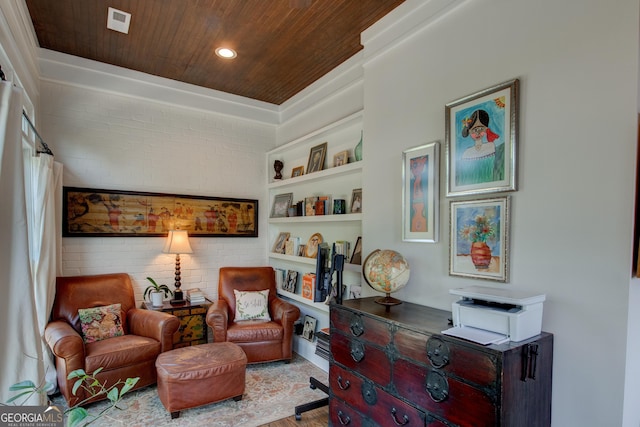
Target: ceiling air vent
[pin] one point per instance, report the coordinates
(118, 20)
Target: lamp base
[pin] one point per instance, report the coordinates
(178, 297)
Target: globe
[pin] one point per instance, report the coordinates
(386, 271)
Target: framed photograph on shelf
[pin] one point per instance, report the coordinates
(278, 245)
(341, 158)
(479, 245)
(481, 133)
(356, 200)
(309, 329)
(316, 158)
(297, 171)
(281, 204)
(356, 256)
(291, 281)
(420, 174)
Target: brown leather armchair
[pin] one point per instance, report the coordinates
(261, 340)
(147, 333)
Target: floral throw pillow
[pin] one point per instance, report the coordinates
(252, 305)
(100, 323)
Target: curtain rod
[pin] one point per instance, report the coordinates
(45, 148)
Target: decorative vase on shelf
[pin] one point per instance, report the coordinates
(357, 152)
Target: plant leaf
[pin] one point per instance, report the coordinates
(22, 385)
(76, 386)
(97, 371)
(113, 395)
(128, 385)
(75, 416)
(20, 395)
(76, 374)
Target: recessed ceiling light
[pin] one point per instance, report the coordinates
(225, 52)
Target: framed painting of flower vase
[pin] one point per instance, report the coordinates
(481, 134)
(420, 193)
(480, 239)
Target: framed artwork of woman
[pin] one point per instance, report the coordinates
(481, 139)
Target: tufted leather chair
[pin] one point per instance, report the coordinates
(147, 333)
(261, 340)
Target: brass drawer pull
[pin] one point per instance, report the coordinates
(357, 351)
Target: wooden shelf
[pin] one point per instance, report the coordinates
(316, 218)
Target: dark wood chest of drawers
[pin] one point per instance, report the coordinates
(397, 368)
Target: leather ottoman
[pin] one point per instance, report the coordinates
(201, 374)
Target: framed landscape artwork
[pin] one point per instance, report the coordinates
(479, 239)
(89, 212)
(481, 132)
(420, 193)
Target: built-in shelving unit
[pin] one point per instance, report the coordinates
(337, 182)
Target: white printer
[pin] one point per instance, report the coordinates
(492, 315)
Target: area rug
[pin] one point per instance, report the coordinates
(272, 392)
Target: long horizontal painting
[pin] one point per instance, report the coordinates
(91, 212)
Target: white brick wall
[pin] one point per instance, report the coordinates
(112, 141)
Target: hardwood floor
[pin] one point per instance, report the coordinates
(315, 418)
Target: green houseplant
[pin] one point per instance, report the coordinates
(77, 415)
(155, 292)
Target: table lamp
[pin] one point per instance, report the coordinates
(177, 243)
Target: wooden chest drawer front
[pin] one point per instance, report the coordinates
(182, 312)
(199, 310)
(367, 360)
(364, 327)
(455, 358)
(340, 414)
(372, 401)
(449, 398)
(191, 328)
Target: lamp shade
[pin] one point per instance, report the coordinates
(177, 243)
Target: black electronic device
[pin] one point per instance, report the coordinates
(323, 279)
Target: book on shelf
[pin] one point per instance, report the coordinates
(323, 204)
(343, 247)
(308, 284)
(322, 344)
(292, 245)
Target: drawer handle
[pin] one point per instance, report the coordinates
(356, 326)
(437, 352)
(437, 386)
(405, 418)
(345, 385)
(357, 351)
(344, 419)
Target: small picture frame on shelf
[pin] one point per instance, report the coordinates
(297, 171)
(341, 158)
(281, 204)
(316, 158)
(356, 200)
(309, 330)
(279, 244)
(291, 281)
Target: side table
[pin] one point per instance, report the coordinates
(193, 325)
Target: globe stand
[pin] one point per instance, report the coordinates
(388, 301)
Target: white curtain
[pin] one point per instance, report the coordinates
(20, 353)
(30, 194)
(43, 206)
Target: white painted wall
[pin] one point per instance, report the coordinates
(114, 141)
(572, 215)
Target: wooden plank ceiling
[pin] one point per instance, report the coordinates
(283, 45)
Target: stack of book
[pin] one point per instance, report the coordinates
(195, 296)
(322, 346)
